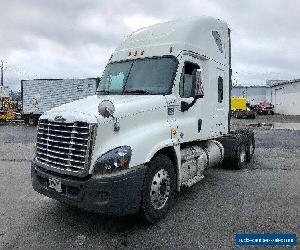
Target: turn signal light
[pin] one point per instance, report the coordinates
(174, 132)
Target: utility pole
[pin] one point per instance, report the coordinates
(2, 69)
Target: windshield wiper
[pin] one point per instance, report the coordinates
(139, 91)
(103, 92)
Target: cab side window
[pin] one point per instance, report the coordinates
(220, 89)
(185, 86)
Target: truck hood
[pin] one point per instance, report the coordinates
(86, 109)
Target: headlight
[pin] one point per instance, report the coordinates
(114, 160)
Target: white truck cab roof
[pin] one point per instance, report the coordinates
(195, 34)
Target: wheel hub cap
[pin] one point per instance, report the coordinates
(251, 148)
(160, 189)
(243, 156)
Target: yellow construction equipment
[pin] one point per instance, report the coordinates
(6, 109)
(239, 108)
(238, 103)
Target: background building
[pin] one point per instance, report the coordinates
(254, 94)
(285, 96)
(4, 91)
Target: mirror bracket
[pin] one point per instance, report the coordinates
(116, 124)
(184, 106)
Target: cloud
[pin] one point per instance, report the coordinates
(62, 38)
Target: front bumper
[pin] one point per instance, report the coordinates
(114, 195)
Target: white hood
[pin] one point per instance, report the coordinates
(86, 109)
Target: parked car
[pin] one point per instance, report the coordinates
(265, 108)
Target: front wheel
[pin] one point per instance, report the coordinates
(159, 189)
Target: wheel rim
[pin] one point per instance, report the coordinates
(243, 155)
(160, 189)
(251, 148)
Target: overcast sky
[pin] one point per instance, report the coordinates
(74, 38)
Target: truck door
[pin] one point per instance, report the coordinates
(220, 113)
(193, 123)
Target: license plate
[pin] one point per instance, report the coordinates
(55, 184)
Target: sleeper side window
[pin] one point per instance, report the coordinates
(218, 40)
(220, 89)
(185, 86)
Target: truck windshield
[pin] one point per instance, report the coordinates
(141, 76)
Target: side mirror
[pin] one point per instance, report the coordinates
(106, 108)
(197, 84)
(184, 106)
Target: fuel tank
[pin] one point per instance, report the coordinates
(196, 158)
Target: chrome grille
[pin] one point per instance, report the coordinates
(64, 146)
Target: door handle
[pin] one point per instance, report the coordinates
(199, 125)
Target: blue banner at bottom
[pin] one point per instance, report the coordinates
(266, 239)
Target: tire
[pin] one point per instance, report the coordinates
(252, 115)
(30, 121)
(250, 149)
(240, 115)
(159, 189)
(36, 120)
(25, 118)
(239, 160)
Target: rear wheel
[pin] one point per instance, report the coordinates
(250, 149)
(159, 189)
(240, 157)
(30, 121)
(253, 115)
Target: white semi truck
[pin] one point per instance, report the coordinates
(161, 116)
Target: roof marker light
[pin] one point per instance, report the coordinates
(171, 49)
(129, 53)
(142, 52)
(135, 53)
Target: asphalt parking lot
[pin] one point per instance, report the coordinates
(262, 198)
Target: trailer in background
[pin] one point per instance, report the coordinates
(41, 95)
(241, 109)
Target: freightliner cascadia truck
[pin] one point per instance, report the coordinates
(160, 118)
